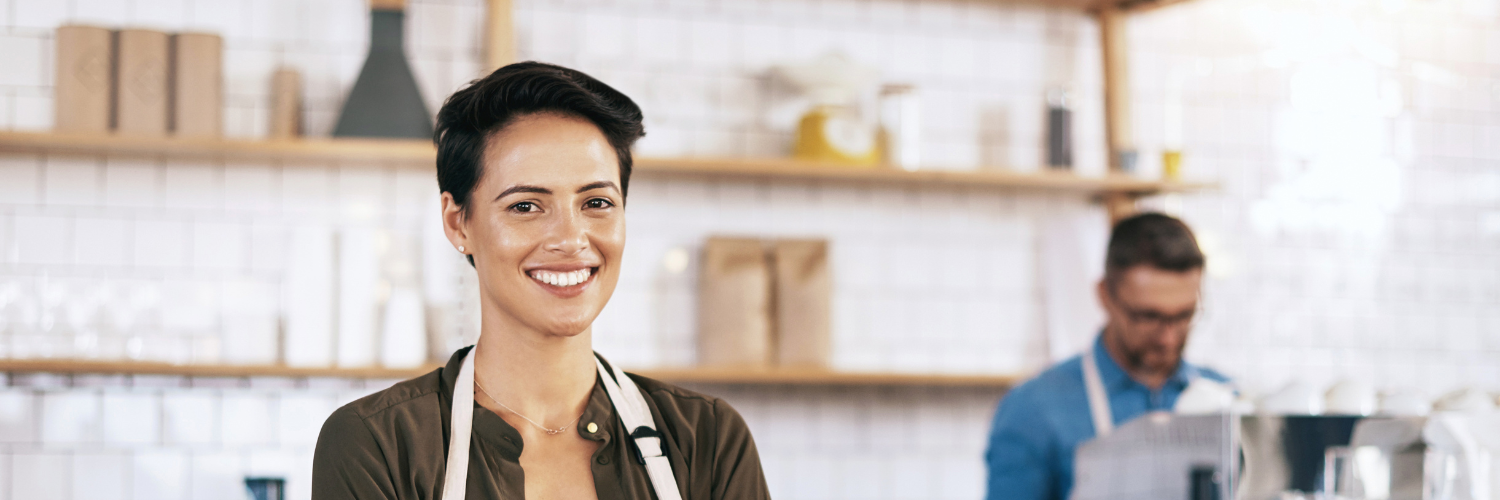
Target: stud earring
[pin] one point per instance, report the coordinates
(460, 249)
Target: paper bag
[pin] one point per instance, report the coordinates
(286, 104)
(82, 95)
(197, 85)
(734, 307)
(803, 303)
(141, 87)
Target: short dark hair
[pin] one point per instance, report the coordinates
(1157, 240)
(471, 115)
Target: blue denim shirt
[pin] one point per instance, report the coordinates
(1039, 424)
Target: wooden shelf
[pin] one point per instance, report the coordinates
(786, 376)
(1095, 5)
(686, 375)
(1047, 180)
(69, 366)
(420, 154)
(395, 151)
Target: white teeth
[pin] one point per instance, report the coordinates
(562, 279)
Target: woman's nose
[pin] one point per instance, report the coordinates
(570, 235)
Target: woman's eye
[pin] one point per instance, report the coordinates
(598, 203)
(524, 207)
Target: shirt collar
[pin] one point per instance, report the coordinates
(490, 427)
(1114, 377)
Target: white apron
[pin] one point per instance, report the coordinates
(623, 394)
(1104, 419)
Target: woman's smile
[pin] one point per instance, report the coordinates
(566, 281)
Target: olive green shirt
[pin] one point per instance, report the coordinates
(393, 444)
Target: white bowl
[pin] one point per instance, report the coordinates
(1467, 399)
(1403, 403)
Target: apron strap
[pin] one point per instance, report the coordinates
(1104, 420)
(636, 416)
(623, 394)
(456, 475)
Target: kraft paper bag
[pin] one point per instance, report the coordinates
(803, 303)
(141, 84)
(83, 85)
(286, 104)
(734, 304)
(197, 85)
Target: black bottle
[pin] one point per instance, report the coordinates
(1059, 130)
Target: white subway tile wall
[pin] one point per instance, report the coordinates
(101, 475)
(1354, 233)
(1346, 240)
(40, 475)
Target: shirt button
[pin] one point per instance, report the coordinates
(593, 427)
(603, 460)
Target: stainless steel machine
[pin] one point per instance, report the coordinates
(1259, 457)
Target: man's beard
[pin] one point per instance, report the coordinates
(1136, 359)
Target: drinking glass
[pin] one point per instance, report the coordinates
(10, 313)
(1360, 473)
(1439, 475)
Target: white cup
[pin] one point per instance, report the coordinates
(1350, 397)
(1296, 398)
(1204, 397)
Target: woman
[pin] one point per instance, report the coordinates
(534, 164)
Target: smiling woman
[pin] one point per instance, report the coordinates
(534, 164)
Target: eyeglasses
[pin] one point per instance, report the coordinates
(1154, 320)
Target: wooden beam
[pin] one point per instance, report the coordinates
(1117, 119)
(1117, 131)
(499, 35)
(1118, 206)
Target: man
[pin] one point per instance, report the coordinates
(1153, 272)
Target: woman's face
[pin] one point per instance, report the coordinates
(546, 225)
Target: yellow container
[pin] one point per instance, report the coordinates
(1171, 165)
(832, 134)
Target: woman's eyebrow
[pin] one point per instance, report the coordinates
(523, 188)
(598, 185)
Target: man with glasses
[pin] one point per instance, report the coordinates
(1150, 291)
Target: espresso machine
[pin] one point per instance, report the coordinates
(1162, 456)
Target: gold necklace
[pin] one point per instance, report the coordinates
(550, 432)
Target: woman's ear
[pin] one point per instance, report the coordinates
(453, 224)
